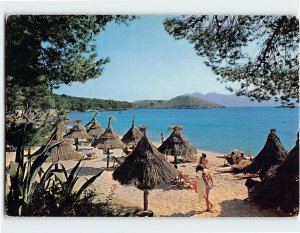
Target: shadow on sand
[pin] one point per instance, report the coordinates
(188, 214)
(240, 208)
(87, 171)
(170, 186)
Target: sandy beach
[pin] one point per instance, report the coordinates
(168, 200)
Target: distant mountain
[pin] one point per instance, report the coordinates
(183, 101)
(232, 100)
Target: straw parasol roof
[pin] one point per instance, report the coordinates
(145, 167)
(95, 129)
(62, 126)
(67, 120)
(280, 188)
(63, 151)
(78, 131)
(109, 139)
(273, 153)
(177, 145)
(89, 124)
(132, 136)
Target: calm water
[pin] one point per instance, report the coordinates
(220, 130)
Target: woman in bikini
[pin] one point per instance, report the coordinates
(203, 160)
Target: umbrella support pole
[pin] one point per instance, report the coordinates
(146, 194)
(107, 159)
(76, 143)
(175, 161)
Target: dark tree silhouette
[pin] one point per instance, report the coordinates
(258, 52)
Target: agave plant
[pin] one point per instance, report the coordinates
(57, 196)
(22, 177)
(69, 181)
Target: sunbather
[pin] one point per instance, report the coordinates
(240, 158)
(230, 159)
(183, 180)
(127, 151)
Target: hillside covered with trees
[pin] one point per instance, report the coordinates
(71, 103)
(177, 102)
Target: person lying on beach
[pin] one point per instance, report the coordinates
(230, 159)
(203, 160)
(208, 182)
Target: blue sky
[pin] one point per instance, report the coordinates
(146, 63)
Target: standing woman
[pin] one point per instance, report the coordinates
(208, 183)
(162, 138)
(203, 160)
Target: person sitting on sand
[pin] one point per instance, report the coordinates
(240, 158)
(203, 160)
(230, 159)
(127, 151)
(208, 182)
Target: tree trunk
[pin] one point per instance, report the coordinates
(146, 194)
(19, 155)
(20, 148)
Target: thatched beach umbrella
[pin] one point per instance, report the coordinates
(89, 124)
(67, 120)
(108, 140)
(132, 136)
(62, 127)
(177, 145)
(145, 168)
(95, 129)
(78, 132)
(280, 188)
(273, 153)
(63, 151)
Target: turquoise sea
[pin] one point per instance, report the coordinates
(220, 129)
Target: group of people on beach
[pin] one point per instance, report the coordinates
(204, 174)
(232, 158)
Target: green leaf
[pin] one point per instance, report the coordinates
(88, 183)
(13, 169)
(46, 175)
(64, 171)
(71, 186)
(16, 178)
(36, 165)
(72, 175)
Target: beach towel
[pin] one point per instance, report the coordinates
(200, 189)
